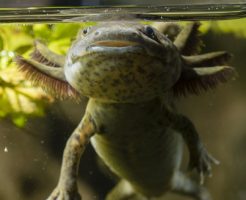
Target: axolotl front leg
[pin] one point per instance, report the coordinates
(200, 160)
(67, 185)
(51, 65)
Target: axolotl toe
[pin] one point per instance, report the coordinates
(132, 73)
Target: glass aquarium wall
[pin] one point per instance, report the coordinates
(72, 11)
(29, 3)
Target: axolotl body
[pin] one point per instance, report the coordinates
(131, 74)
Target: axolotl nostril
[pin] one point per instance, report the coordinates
(131, 74)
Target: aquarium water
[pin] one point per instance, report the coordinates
(34, 127)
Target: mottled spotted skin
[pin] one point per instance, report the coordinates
(131, 72)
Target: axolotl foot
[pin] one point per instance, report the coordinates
(202, 161)
(63, 194)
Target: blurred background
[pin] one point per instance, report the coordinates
(34, 127)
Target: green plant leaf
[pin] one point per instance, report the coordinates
(19, 99)
(19, 120)
(236, 27)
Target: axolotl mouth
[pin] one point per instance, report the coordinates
(115, 46)
(114, 43)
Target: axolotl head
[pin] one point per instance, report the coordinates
(128, 63)
(122, 63)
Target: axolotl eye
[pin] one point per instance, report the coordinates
(86, 30)
(150, 32)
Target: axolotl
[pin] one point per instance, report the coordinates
(132, 73)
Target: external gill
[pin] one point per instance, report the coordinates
(197, 80)
(207, 59)
(203, 71)
(43, 55)
(188, 41)
(42, 72)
